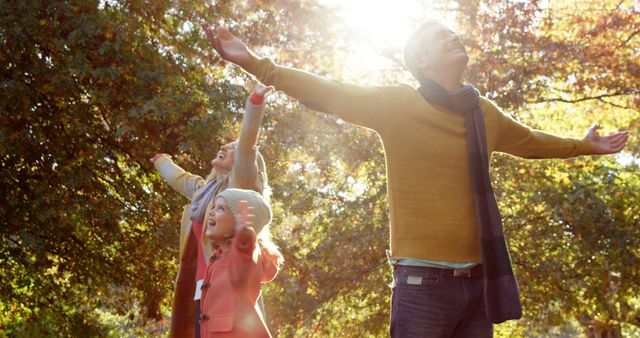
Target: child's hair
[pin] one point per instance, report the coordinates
(262, 217)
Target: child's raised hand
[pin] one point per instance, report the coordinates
(244, 217)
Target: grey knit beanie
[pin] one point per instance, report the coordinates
(255, 202)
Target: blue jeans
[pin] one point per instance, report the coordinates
(427, 302)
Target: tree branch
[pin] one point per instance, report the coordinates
(586, 98)
(616, 105)
(630, 37)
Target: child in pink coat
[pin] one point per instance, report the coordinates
(244, 258)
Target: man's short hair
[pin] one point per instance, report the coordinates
(414, 47)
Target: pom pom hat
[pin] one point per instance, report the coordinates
(257, 205)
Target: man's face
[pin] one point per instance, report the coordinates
(441, 49)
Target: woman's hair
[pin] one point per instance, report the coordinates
(265, 241)
(262, 179)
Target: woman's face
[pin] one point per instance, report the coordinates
(220, 222)
(225, 157)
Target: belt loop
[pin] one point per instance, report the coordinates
(465, 273)
(391, 261)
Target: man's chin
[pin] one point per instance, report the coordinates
(460, 58)
(458, 63)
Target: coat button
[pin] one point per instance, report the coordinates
(204, 318)
(205, 286)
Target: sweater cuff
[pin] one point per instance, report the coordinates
(584, 147)
(252, 66)
(256, 98)
(164, 165)
(257, 67)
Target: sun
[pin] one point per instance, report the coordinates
(376, 26)
(388, 22)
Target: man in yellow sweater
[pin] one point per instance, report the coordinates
(434, 224)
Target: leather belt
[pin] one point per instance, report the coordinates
(474, 272)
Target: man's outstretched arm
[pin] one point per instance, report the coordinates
(517, 139)
(363, 105)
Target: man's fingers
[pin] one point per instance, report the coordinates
(621, 138)
(223, 33)
(619, 147)
(615, 136)
(619, 141)
(216, 45)
(211, 36)
(614, 147)
(618, 134)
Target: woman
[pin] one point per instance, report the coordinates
(237, 165)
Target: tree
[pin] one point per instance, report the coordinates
(90, 91)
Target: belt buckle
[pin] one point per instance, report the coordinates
(466, 273)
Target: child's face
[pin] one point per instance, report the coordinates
(220, 223)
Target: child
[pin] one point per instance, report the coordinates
(238, 221)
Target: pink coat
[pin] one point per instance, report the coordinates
(232, 287)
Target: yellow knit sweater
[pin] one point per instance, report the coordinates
(431, 203)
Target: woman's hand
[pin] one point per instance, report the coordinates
(260, 93)
(263, 90)
(155, 158)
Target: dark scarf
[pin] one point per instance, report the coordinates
(501, 296)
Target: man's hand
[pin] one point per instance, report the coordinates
(227, 45)
(610, 144)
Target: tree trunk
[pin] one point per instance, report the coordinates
(602, 330)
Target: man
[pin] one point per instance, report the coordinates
(452, 273)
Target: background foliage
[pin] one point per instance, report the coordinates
(90, 90)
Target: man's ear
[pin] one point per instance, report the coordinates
(422, 61)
